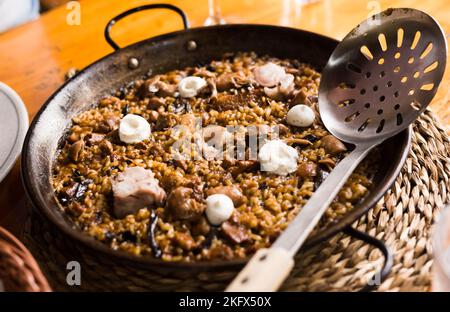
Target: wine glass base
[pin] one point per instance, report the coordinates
(214, 20)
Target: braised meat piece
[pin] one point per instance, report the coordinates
(136, 188)
(185, 203)
(235, 233)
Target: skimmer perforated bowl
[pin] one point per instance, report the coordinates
(382, 75)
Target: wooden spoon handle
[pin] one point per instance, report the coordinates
(265, 271)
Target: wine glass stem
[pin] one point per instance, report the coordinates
(214, 9)
(214, 15)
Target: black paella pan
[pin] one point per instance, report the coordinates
(114, 270)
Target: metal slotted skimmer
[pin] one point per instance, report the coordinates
(382, 75)
(378, 80)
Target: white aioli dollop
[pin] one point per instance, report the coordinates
(219, 208)
(277, 157)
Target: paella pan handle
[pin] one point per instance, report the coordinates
(381, 275)
(117, 18)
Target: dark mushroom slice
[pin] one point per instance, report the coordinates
(232, 191)
(95, 138)
(75, 149)
(156, 102)
(165, 89)
(307, 170)
(311, 138)
(300, 97)
(108, 124)
(128, 236)
(106, 147)
(67, 194)
(297, 141)
(236, 167)
(332, 145)
(229, 81)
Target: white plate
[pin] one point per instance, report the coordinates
(13, 128)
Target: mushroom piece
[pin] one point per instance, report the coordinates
(75, 149)
(231, 191)
(165, 89)
(108, 124)
(94, 138)
(156, 102)
(185, 203)
(149, 87)
(173, 180)
(135, 188)
(231, 80)
(210, 90)
(307, 170)
(154, 86)
(237, 167)
(332, 145)
(106, 147)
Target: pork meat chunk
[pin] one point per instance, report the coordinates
(136, 188)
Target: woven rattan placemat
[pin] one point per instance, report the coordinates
(403, 219)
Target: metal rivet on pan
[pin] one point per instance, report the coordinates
(133, 63)
(191, 45)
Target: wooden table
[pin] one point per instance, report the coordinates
(35, 57)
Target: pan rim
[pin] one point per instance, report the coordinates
(49, 213)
